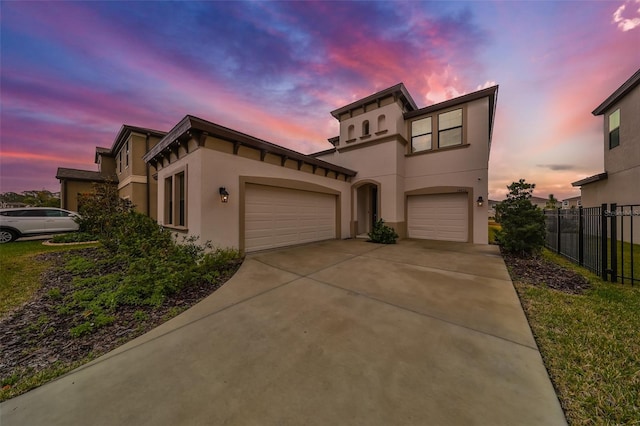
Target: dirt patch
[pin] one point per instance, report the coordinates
(36, 335)
(539, 271)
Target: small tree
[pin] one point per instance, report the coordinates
(101, 211)
(552, 202)
(523, 227)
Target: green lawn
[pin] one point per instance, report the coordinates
(20, 274)
(591, 347)
(493, 228)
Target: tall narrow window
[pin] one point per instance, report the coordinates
(180, 198)
(120, 162)
(127, 155)
(614, 129)
(350, 132)
(450, 128)
(381, 123)
(168, 200)
(421, 135)
(365, 128)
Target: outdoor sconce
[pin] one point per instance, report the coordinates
(480, 201)
(224, 195)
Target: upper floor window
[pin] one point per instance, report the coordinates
(421, 134)
(120, 162)
(127, 154)
(365, 128)
(614, 129)
(450, 128)
(381, 122)
(350, 132)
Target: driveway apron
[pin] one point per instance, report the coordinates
(332, 333)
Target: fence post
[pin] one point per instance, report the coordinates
(603, 242)
(559, 230)
(580, 237)
(614, 243)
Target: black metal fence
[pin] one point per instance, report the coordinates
(603, 239)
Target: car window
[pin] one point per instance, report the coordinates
(34, 213)
(56, 213)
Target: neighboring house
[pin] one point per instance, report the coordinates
(492, 208)
(539, 202)
(620, 181)
(572, 203)
(120, 165)
(422, 170)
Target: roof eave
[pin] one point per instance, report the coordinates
(618, 94)
(590, 179)
(398, 89)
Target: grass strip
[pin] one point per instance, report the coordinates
(590, 346)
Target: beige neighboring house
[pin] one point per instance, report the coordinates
(620, 182)
(121, 165)
(422, 170)
(572, 203)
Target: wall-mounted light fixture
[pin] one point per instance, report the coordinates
(224, 195)
(480, 201)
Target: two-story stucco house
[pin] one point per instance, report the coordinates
(620, 182)
(423, 170)
(120, 165)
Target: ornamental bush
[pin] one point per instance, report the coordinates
(523, 226)
(382, 234)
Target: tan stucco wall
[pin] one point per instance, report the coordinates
(459, 169)
(394, 123)
(69, 191)
(207, 170)
(627, 154)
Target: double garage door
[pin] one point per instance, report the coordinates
(278, 217)
(438, 217)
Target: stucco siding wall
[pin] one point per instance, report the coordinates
(70, 191)
(207, 170)
(627, 154)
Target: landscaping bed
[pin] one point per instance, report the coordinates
(38, 341)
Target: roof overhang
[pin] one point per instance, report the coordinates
(101, 151)
(193, 127)
(84, 175)
(590, 179)
(621, 92)
(125, 132)
(398, 91)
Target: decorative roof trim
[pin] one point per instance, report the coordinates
(620, 92)
(398, 90)
(590, 179)
(190, 124)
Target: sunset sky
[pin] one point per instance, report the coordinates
(73, 72)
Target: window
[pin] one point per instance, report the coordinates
(350, 132)
(450, 128)
(365, 128)
(168, 200)
(421, 135)
(614, 129)
(579, 203)
(180, 198)
(127, 155)
(120, 162)
(175, 191)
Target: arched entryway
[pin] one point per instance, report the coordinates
(366, 207)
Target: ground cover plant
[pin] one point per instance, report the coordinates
(90, 301)
(587, 332)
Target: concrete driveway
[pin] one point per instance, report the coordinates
(333, 333)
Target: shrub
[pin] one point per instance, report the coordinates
(523, 226)
(382, 234)
(74, 237)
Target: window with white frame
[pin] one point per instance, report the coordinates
(127, 155)
(450, 128)
(120, 161)
(614, 129)
(421, 134)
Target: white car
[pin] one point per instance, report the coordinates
(28, 221)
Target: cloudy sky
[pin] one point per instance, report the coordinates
(73, 72)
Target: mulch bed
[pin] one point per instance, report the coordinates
(35, 336)
(536, 270)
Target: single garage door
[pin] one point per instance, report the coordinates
(438, 217)
(278, 217)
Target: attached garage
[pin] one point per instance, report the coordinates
(278, 217)
(442, 217)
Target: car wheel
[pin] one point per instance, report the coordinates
(6, 236)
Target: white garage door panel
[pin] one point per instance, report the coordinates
(278, 217)
(438, 217)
